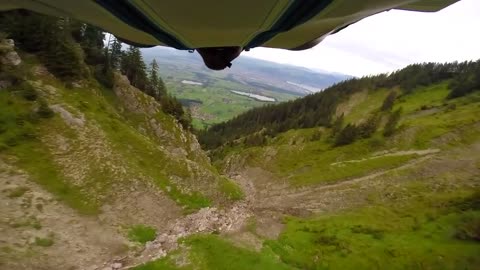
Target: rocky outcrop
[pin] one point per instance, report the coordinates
(206, 220)
(69, 118)
(8, 55)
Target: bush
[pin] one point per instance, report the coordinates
(43, 242)
(316, 135)
(451, 107)
(104, 76)
(375, 233)
(28, 92)
(424, 107)
(469, 229)
(11, 141)
(367, 128)
(3, 146)
(44, 111)
(231, 189)
(391, 125)
(389, 101)
(376, 143)
(18, 192)
(347, 136)
(256, 139)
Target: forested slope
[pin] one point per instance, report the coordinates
(319, 109)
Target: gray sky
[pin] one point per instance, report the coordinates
(392, 40)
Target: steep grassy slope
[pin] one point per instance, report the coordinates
(111, 155)
(307, 156)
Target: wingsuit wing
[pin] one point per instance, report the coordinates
(285, 24)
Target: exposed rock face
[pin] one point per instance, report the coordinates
(8, 55)
(124, 161)
(70, 119)
(178, 144)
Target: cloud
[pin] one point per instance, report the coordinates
(392, 40)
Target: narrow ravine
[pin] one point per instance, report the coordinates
(234, 218)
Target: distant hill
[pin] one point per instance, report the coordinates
(249, 71)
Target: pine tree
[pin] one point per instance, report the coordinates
(391, 125)
(367, 128)
(115, 54)
(134, 68)
(154, 80)
(389, 101)
(347, 136)
(337, 125)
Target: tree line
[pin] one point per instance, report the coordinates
(318, 110)
(72, 50)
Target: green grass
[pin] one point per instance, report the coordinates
(44, 242)
(17, 192)
(141, 233)
(314, 162)
(446, 120)
(212, 252)
(332, 173)
(20, 128)
(231, 189)
(431, 96)
(419, 234)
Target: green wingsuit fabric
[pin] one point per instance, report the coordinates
(217, 23)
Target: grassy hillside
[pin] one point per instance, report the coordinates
(405, 201)
(307, 156)
(130, 131)
(106, 158)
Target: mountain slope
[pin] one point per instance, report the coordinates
(82, 164)
(399, 201)
(379, 172)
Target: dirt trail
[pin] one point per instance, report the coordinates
(390, 154)
(315, 199)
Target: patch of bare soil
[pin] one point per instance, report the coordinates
(37, 232)
(355, 99)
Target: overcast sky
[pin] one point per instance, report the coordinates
(392, 40)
